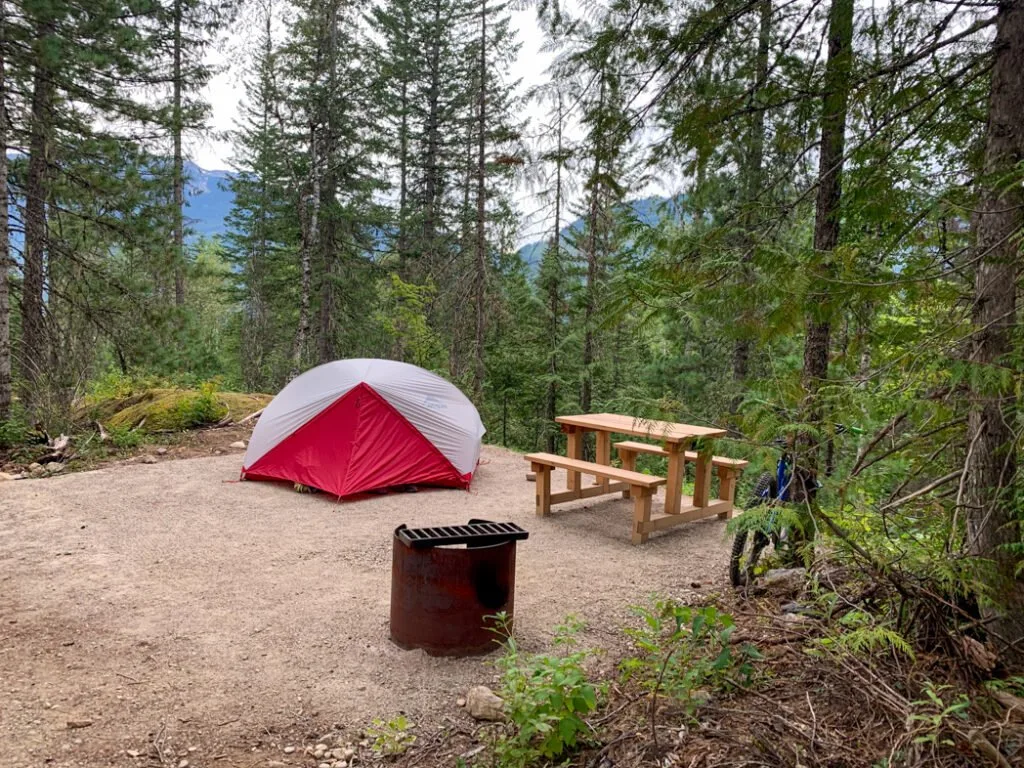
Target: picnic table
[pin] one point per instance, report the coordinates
(672, 442)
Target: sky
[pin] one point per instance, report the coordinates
(224, 92)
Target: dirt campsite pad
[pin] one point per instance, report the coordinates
(165, 614)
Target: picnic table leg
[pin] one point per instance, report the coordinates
(574, 450)
(543, 472)
(674, 481)
(641, 512)
(628, 461)
(702, 478)
(604, 456)
(727, 490)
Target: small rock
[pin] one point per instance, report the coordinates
(324, 765)
(694, 585)
(349, 753)
(796, 618)
(289, 750)
(785, 578)
(34, 467)
(239, 444)
(364, 743)
(484, 704)
(275, 764)
(183, 764)
(161, 450)
(460, 701)
(337, 754)
(321, 747)
(79, 723)
(133, 753)
(148, 459)
(340, 764)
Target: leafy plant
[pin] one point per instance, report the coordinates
(391, 737)
(546, 698)
(199, 409)
(13, 432)
(863, 634)
(684, 652)
(125, 437)
(935, 716)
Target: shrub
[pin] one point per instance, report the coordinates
(685, 652)
(391, 738)
(546, 699)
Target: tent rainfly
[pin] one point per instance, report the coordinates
(358, 425)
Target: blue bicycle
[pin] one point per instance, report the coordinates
(751, 545)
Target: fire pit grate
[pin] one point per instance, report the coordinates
(477, 533)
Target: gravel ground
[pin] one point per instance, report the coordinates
(174, 609)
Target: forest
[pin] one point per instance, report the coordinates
(834, 251)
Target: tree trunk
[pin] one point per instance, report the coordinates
(179, 167)
(310, 242)
(328, 237)
(480, 276)
(742, 347)
(432, 188)
(827, 213)
(992, 522)
(5, 256)
(33, 327)
(555, 295)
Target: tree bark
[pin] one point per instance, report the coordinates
(827, 206)
(742, 347)
(5, 255)
(310, 242)
(33, 326)
(554, 291)
(480, 276)
(432, 186)
(992, 523)
(179, 166)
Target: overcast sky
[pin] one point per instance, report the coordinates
(225, 91)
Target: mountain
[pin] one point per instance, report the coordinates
(647, 211)
(208, 199)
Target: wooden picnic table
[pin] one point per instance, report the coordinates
(675, 438)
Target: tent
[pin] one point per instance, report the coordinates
(358, 425)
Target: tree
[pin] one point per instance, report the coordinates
(5, 245)
(993, 523)
(263, 238)
(827, 211)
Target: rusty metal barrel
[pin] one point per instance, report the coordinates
(447, 584)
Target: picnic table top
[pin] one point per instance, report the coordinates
(665, 431)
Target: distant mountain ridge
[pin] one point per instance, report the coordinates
(647, 210)
(208, 199)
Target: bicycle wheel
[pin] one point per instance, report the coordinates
(747, 546)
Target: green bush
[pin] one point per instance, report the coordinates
(685, 652)
(546, 699)
(125, 437)
(391, 738)
(13, 432)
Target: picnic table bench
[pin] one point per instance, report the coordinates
(674, 438)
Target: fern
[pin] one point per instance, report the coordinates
(865, 637)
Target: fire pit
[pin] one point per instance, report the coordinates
(447, 580)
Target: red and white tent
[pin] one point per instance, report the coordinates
(357, 425)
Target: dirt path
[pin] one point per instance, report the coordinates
(173, 607)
